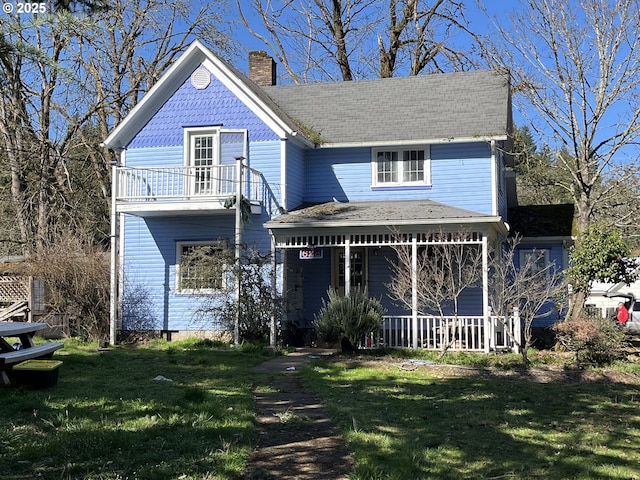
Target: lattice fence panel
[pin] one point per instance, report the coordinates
(14, 288)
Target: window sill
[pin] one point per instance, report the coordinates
(400, 187)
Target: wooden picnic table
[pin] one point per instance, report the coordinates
(21, 330)
(27, 350)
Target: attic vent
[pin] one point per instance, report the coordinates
(201, 78)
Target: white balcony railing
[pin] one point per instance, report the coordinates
(191, 184)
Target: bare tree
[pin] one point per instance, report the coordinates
(576, 72)
(528, 285)
(444, 271)
(575, 69)
(64, 83)
(333, 39)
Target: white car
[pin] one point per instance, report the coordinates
(633, 305)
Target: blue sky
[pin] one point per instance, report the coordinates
(478, 20)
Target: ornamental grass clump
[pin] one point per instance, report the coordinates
(594, 340)
(348, 319)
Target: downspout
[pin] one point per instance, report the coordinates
(283, 174)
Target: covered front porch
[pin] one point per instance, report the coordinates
(351, 231)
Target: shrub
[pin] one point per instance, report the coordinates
(258, 304)
(595, 341)
(350, 318)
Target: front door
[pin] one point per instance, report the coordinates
(358, 260)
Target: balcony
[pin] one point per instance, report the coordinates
(163, 191)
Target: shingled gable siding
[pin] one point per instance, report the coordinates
(460, 174)
(215, 105)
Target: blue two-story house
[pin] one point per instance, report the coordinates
(335, 176)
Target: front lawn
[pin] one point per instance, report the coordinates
(420, 422)
(109, 419)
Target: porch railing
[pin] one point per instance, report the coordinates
(462, 333)
(192, 183)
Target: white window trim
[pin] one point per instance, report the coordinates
(190, 133)
(199, 291)
(399, 151)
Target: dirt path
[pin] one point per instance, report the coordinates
(297, 438)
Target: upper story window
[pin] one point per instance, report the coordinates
(401, 166)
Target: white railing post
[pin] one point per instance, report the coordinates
(517, 332)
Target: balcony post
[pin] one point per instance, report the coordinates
(114, 268)
(238, 250)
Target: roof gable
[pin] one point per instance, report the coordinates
(189, 106)
(198, 55)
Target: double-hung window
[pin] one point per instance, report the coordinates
(401, 166)
(534, 260)
(201, 266)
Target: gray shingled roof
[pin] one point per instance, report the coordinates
(376, 213)
(391, 110)
(542, 220)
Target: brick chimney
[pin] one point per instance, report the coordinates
(262, 68)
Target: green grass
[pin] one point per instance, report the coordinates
(413, 425)
(109, 419)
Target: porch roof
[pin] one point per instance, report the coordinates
(383, 214)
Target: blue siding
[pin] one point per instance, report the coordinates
(295, 175)
(502, 179)
(460, 177)
(155, 157)
(557, 257)
(265, 157)
(379, 274)
(317, 280)
(189, 107)
(150, 260)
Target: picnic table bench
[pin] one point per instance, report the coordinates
(24, 331)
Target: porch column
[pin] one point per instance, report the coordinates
(347, 266)
(274, 287)
(114, 268)
(414, 289)
(486, 311)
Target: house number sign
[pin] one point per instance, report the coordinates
(310, 254)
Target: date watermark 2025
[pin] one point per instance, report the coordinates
(28, 8)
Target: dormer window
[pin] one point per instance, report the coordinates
(401, 166)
